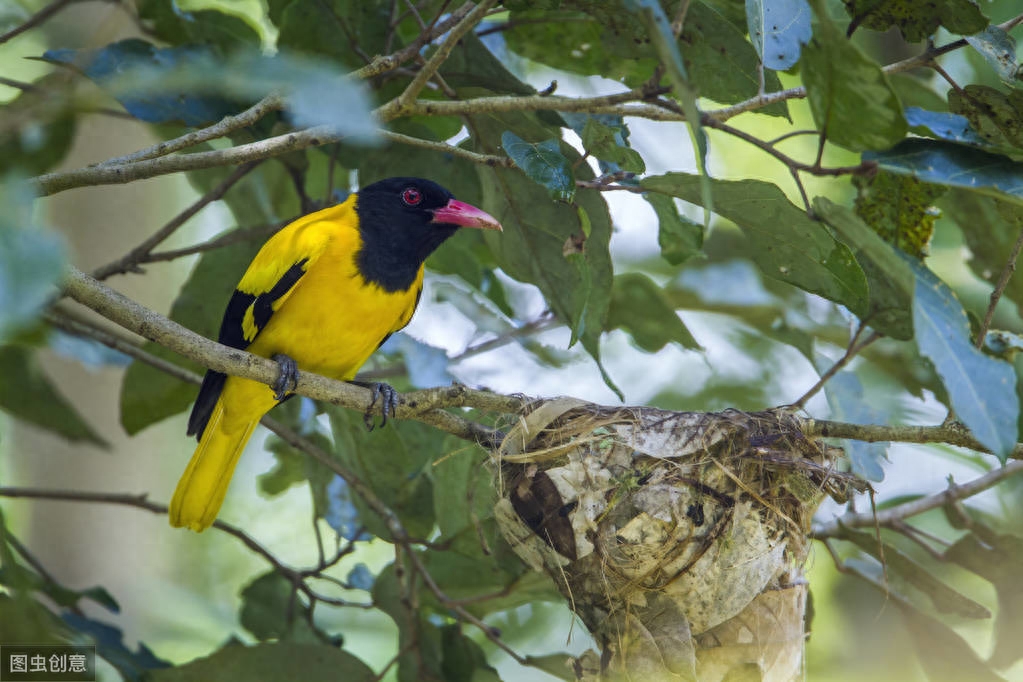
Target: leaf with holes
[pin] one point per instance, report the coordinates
(778, 29)
(999, 50)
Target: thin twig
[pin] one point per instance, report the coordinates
(996, 295)
(242, 234)
(918, 506)
(131, 260)
(38, 18)
(854, 347)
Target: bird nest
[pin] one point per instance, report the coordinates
(662, 526)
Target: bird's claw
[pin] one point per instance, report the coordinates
(388, 398)
(287, 379)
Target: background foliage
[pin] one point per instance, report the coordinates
(821, 189)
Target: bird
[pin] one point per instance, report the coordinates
(322, 294)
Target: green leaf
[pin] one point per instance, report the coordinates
(464, 660)
(917, 91)
(943, 163)
(27, 394)
(640, 307)
(679, 237)
(786, 243)
(902, 567)
(778, 29)
(170, 24)
(149, 395)
(982, 390)
(271, 662)
(555, 665)
(392, 462)
(996, 116)
(272, 609)
(852, 101)
(990, 227)
(998, 558)
(31, 260)
(845, 398)
(720, 62)
(463, 496)
(334, 28)
(543, 163)
(999, 50)
(890, 280)
(472, 65)
(36, 129)
(606, 144)
(917, 20)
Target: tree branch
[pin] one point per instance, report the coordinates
(996, 294)
(903, 511)
(425, 405)
(131, 260)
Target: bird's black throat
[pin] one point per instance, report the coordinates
(392, 254)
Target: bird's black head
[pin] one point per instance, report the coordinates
(402, 221)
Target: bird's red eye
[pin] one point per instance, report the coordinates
(411, 196)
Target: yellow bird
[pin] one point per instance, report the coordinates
(322, 294)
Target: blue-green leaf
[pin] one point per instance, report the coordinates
(845, 397)
(982, 390)
(999, 50)
(943, 126)
(31, 260)
(944, 163)
(778, 29)
(543, 163)
(426, 365)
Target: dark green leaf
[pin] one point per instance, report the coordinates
(998, 558)
(990, 228)
(640, 307)
(999, 50)
(599, 40)
(778, 29)
(31, 260)
(543, 163)
(720, 62)
(679, 237)
(464, 660)
(996, 116)
(271, 662)
(472, 65)
(917, 91)
(149, 395)
(787, 244)
(464, 496)
(36, 128)
(852, 101)
(272, 609)
(845, 397)
(27, 394)
(418, 639)
(607, 144)
(392, 462)
(917, 20)
(982, 390)
(890, 280)
(173, 25)
(903, 568)
(26, 620)
(336, 29)
(944, 163)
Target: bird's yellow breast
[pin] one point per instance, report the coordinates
(333, 319)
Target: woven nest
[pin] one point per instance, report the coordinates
(640, 514)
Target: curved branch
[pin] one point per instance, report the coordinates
(424, 405)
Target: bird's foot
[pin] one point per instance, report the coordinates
(287, 379)
(388, 398)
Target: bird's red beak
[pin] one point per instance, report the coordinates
(465, 215)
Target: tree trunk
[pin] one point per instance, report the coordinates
(678, 538)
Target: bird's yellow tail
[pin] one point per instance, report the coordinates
(202, 487)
